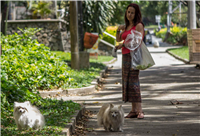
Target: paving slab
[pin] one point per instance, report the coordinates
(170, 98)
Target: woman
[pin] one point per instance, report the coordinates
(130, 78)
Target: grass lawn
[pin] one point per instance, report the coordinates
(67, 56)
(182, 52)
(152, 26)
(102, 59)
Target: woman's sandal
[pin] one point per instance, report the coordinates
(132, 115)
(140, 115)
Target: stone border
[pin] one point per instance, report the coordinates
(74, 91)
(71, 126)
(177, 57)
(110, 62)
(36, 20)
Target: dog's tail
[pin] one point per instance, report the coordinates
(99, 120)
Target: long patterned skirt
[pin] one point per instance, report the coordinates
(130, 81)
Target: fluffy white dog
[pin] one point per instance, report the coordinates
(27, 116)
(111, 117)
(156, 44)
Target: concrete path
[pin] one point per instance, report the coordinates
(167, 82)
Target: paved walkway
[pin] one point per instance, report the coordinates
(169, 80)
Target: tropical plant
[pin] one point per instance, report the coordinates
(111, 30)
(41, 8)
(119, 11)
(96, 14)
(34, 66)
(178, 35)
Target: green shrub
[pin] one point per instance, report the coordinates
(111, 30)
(25, 67)
(30, 64)
(178, 35)
(34, 66)
(161, 33)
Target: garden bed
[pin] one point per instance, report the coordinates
(27, 67)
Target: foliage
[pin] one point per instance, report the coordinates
(57, 114)
(119, 11)
(151, 8)
(66, 56)
(152, 27)
(102, 59)
(41, 8)
(182, 52)
(178, 35)
(28, 66)
(96, 15)
(161, 33)
(181, 19)
(24, 64)
(63, 55)
(34, 66)
(111, 30)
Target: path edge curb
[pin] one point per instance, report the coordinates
(70, 128)
(83, 90)
(177, 57)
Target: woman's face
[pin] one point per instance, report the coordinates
(130, 14)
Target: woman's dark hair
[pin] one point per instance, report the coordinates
(138, 16)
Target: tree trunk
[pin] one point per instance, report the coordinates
(3, 15)
(6, 24)
(74, 35)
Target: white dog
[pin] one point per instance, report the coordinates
(111, 117)
(27, 116)
(156, 44)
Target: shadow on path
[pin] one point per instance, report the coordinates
(160, 86)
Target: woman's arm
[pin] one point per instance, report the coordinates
(119, 46)
(140, 28)
(118, 34)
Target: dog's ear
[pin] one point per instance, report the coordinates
(120, 106)
(111, 105)
(27, 103)
(16, 104)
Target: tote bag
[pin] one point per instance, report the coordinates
(141, 58)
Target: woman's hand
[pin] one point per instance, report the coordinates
(121, 27)
(118, 34)
(119, 46)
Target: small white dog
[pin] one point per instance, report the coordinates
(156, 44)
(27, 116)
(111, 117)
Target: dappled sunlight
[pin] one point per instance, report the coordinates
(161, 88)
